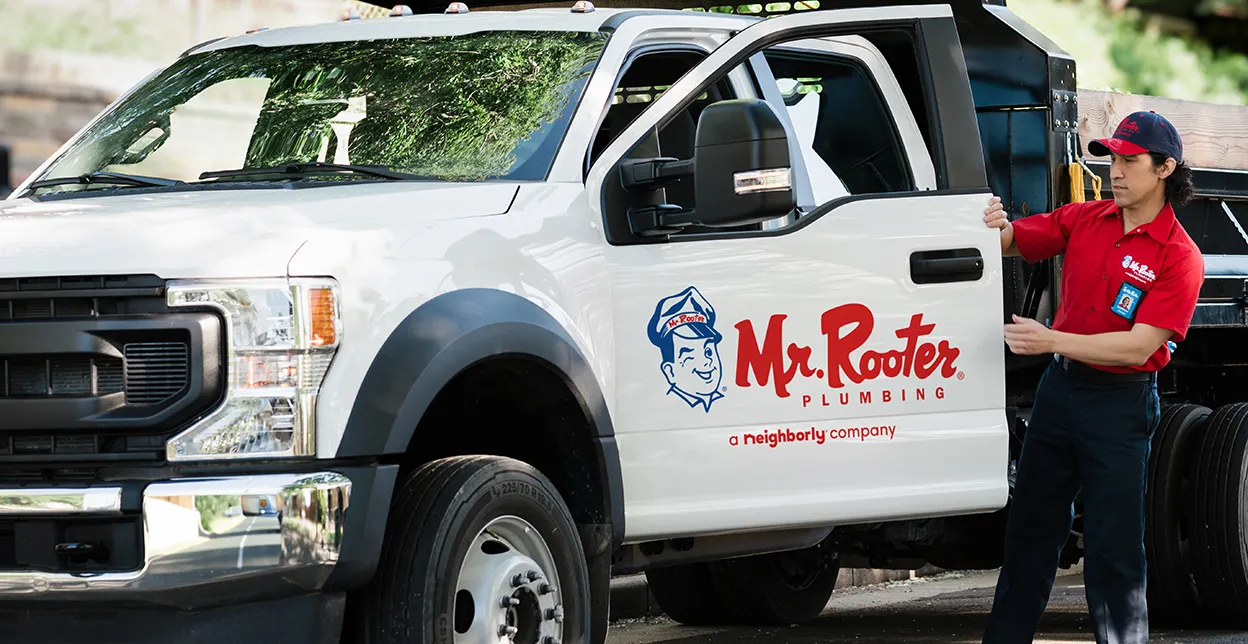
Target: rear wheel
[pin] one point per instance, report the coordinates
(779, 588)
(1220, 503)
(1173, 599)
(686, 593)
(479, 549)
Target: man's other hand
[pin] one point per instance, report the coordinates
(1028, 337)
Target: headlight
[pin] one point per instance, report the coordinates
(281, 335)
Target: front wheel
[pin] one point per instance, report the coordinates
(479, 549)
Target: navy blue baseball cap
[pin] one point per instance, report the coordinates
(1139, 133)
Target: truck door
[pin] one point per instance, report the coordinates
(842, 364)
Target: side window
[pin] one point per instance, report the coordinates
(839, 112)
(647, 77)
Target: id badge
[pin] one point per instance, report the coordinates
(1127, 301)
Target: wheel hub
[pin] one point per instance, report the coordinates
(799, 569)
(508, 588)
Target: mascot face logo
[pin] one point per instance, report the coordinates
(1126, 261)
(683, 329)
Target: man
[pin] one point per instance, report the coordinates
(1130, 281)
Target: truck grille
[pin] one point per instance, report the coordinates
(52, 298)
(99, 368)
(155, 371)
(37, 475)
(152, 373)
(60, 376)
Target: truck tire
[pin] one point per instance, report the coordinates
(480, 548)
(686, 594)
(776, 589)
(1220, 502)
(1173, 598)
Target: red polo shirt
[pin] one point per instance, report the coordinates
(1110, 280)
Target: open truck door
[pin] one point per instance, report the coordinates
(787, 362)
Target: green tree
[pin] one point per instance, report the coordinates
(211, 508)
(1129, 52)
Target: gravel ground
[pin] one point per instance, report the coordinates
(942, 609)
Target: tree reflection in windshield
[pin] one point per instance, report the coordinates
(472, 107)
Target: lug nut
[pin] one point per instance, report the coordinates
(509, 601)
(518, 581)
(547, 589)
(555, 613)
(506, 631)
(550, 639)
(534, 575)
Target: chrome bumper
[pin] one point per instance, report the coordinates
(247, 536)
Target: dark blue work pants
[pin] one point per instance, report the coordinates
(1090, 432)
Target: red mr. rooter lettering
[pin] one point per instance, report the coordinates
(769, 362)
(921, 359)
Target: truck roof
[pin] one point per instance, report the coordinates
(424, 25)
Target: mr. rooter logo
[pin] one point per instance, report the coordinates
(845, 330)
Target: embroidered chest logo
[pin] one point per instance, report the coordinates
(1137, 270)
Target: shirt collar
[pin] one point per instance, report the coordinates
(1159, 228)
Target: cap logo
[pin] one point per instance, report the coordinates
(685, 318)
(1128, 128)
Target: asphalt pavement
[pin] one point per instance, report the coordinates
(944, 609)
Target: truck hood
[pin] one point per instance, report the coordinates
(248, 232)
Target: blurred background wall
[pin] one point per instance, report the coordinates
(62, 61)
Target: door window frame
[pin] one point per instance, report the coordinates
(959, 164)
(642, 50)
(707, 31)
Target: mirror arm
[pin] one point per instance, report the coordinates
(659, 221)
(648, 174)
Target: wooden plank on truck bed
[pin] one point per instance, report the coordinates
(1214, 136)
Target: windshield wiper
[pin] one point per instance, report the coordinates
(313, 167)
(106, 177)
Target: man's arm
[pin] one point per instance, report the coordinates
(1043, 235)
(1116, 349)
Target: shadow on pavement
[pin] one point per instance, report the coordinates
(951, 618)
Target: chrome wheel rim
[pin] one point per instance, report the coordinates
(508, 588)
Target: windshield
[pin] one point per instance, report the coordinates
(475, 107)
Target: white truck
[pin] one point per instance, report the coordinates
(497, 304)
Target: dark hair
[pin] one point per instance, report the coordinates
(1179, 188)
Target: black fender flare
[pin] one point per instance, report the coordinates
(450, 333)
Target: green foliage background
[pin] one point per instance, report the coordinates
(212, 508)
(1130, 52)
(1126, 51)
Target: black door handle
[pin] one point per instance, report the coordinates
(953, 265)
